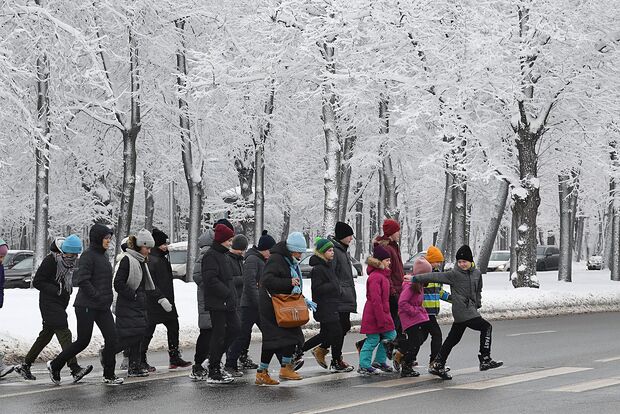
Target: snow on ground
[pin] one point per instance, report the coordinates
(590, 291)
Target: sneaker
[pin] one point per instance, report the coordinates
(359, 345)
(366, 372)
(338, 365)
(263, 378)
(176, 361)
(233, 372)
(80, 373)
(407, 371)
(24, 371)
(137, 371)
(383, 367)
(319, 355)
(397, 360)
(6, 370)
(54, 375)
(298, 360)
(247, 363)
(438, 368)
(113, 380)
(124, 364)
(487, 363)
(198, 373)
(149, 368)
(215, 377)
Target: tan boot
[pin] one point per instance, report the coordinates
(287, 372)
(263, 378)
(320, 354)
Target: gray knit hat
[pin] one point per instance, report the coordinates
(144, 238)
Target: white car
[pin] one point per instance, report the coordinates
(177, 253)
(595, 263)
(499, 261)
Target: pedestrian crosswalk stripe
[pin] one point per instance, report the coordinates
(326, 377)
(414, 380)
(532, 333)
(515, 379)
(588, 386)
(608, 359)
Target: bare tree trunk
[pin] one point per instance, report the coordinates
(491, 234)
(514, 238)
(381, 202)
(579, 241)
(459, 213)
(245, 172)
(389, 178)
(565, 194)
(374, 226)
(615, 256)
(259, 169)
(345, 174)
(418, 231)
(608, 224)
(359, 223)
(149, 201)
(286, 226)
(444, 227)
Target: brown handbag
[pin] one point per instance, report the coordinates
(291, 310)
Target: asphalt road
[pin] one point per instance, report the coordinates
(568, 364)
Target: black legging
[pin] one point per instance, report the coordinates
(331, 332)
(430, 328)
(86, 319)
(400, 337)
(202, 346)
(345, 327)
(267, 354)
(172, 330)
(456, 333)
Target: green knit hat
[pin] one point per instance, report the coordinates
(322, 245)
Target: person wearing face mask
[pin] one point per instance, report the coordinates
(92, 305)
(53, 280)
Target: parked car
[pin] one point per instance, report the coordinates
(177, 253)
(304, 265)
(20, 275)
(595, 263)
(15, 256)
(499, 261)
(359, 270)
(408, 265)
(547, 258)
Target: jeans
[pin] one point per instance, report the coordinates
(249, 317)
(172, 329)
(45, 336)
(456, 333)
(430, 328)
(225, 330)
(86, 319)
(374, 341)
(331, 333)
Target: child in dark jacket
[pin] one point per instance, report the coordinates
(377, 321)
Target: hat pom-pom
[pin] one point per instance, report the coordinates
(264, 232)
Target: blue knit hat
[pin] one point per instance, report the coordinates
(72, 245)
(296, 242)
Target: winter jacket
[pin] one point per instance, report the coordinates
(376, 317)
(344, 271)
(53, 300)
(253, 270)
(397, 272)
(94, 275)
(161, 273)
(433, 293)
(236, 264)
(410, 309)
(465, 292)
(131, 312)
(326, 291)
(276, 279)
(217, 279)
(1, 285)
(204, 317)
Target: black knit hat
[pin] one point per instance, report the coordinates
(224, 222)
(464, 253)
(343, 230)
(240, 242)
(160, 237)
(266, 242)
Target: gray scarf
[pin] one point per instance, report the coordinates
(135, 271)
(64, 273)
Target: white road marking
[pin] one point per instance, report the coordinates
(588, 386)
(415, 380)
(532, 333)
(608, 359)
(366, 402)
(350, 353)
(325, 377)
(515, 379)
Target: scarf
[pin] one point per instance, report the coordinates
(135, 271)
(64, 273)
(295, 271)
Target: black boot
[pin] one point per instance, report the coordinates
(176, 361)
(407, 371)
(438, 368)
(136, 370)
(245, 362)
(487, 363)
(24, 371)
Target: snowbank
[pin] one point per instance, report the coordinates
(590, 291)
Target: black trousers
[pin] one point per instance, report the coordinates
(132, 345)
(202, 346)
(430, 328)
(225, 330)
(400, 336)
(45, 337)
(86, 319)
(172, 330)
(267, 354)
(331, 332)
(345, 327)
(456, 333)
(249, 317)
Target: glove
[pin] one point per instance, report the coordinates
(311, 305)
(296, 290)
(165, 303)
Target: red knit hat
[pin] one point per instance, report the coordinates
(223, 233)
(390, 227)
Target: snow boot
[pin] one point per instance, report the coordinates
(487, 363)
(113, 380)
(78, 372)
(338, 365)
(298, 359)
(215, 376)
(367, 372)
(263, 378)
(359, 345)
(389, 347)
(24, 371)
(246, 362)
(136, 370)
(233, 372)
(383, 367)
(319, 355)
(287, 372)
(176, 361)
(198, 373)
(54, 375)
(407, 371)
(397, 360)
(438, 368)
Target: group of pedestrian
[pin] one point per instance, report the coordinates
(236, 290)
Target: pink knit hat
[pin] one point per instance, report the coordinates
(4, 248)
(421, 266)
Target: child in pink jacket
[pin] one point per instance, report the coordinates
(377, 322)
(413, 316)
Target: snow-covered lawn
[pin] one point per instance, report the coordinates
(590, 291)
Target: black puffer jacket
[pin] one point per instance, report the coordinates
(236, 263)
(53, 300)
(217, 277)
(161, 273)
(326, 292)
(95, 273)
(253, 270)
(344, 271)
(276, 279)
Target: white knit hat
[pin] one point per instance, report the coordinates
(144, 238)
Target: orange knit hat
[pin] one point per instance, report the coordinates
(434, 255)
